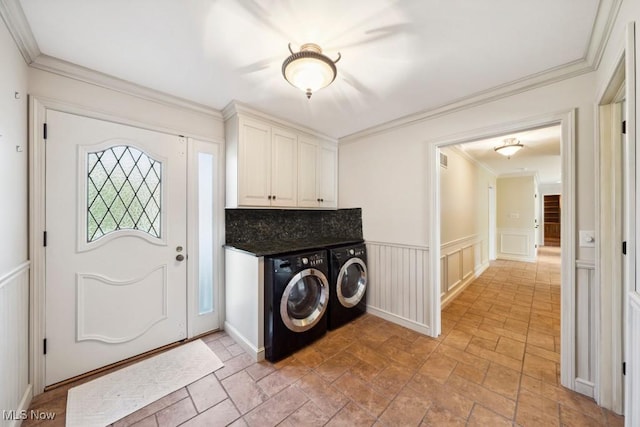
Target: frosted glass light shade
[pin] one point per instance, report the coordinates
(511, 146)
(309, 70)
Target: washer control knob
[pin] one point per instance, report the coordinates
(351, 252)
(305, 261)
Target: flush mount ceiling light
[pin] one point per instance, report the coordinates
(309, 70)
(510, 147)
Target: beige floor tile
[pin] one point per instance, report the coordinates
(332, 368)
(223, 414)
(176, 414)
(327, 397)
(494, 401)
(276, 409)
(361, 393)
(482, 417)
(308, 415)
(407, 409)
(206, 392)
(438, 416)
(282, 377)
(244, 391)
(352, 416)
(391, 380)
(438, 367)
(503, 381)
(445, 397)
(510, 347)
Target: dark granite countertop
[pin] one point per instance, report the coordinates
(274, 247)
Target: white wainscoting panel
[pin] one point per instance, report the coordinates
(516, 244)
(585, 327)
(461, 262)
(632, 415)
(399, 284)
(15, 390)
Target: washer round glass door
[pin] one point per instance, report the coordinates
(304, 300)
(352, 282)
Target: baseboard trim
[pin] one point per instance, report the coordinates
(256, 353)
(585, 387)
(394, 318)
(504, 257)
(23, 407)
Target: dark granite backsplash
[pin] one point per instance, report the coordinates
(264, 225)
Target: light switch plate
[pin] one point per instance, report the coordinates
(587, 239)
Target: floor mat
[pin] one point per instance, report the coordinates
(109, 398)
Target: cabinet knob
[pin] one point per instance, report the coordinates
(318, 200)
(269, 197)
(273, 197)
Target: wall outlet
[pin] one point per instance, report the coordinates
(587, 239)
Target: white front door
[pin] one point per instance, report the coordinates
(116, 283)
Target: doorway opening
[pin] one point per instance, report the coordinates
(515, 246)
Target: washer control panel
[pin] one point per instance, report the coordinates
(311, 260)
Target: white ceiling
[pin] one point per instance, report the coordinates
(398, 57)
(540, 154)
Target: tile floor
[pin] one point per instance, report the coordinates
(496, 363)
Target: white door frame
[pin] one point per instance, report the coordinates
(37, 113)
(566, 120)
(611, 301)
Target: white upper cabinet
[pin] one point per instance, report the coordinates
(284, 156)
(255, 168)
(328, 176)
(274, 165)
(317, 174)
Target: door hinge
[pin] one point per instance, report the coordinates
(44, 131)
(44, 239)
(624, 368)
(624, 248)
(44, 346)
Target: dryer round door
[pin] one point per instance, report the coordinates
(304, 300)
(352, 282)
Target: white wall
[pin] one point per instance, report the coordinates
(515, 217)
(14, 267)
(464, 226)
(386, 171)
(464, 208)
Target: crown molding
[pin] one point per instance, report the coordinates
(87, 75)
(601, 31)
(237, 107)
(534, 81)
(13, 16)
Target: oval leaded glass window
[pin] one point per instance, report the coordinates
(124, 188)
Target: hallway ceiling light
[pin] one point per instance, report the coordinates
(309, 70)
(510, 147)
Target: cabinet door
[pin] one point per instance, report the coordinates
(328, 176)
(284, 162)
(254, 164)
(307, 173)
